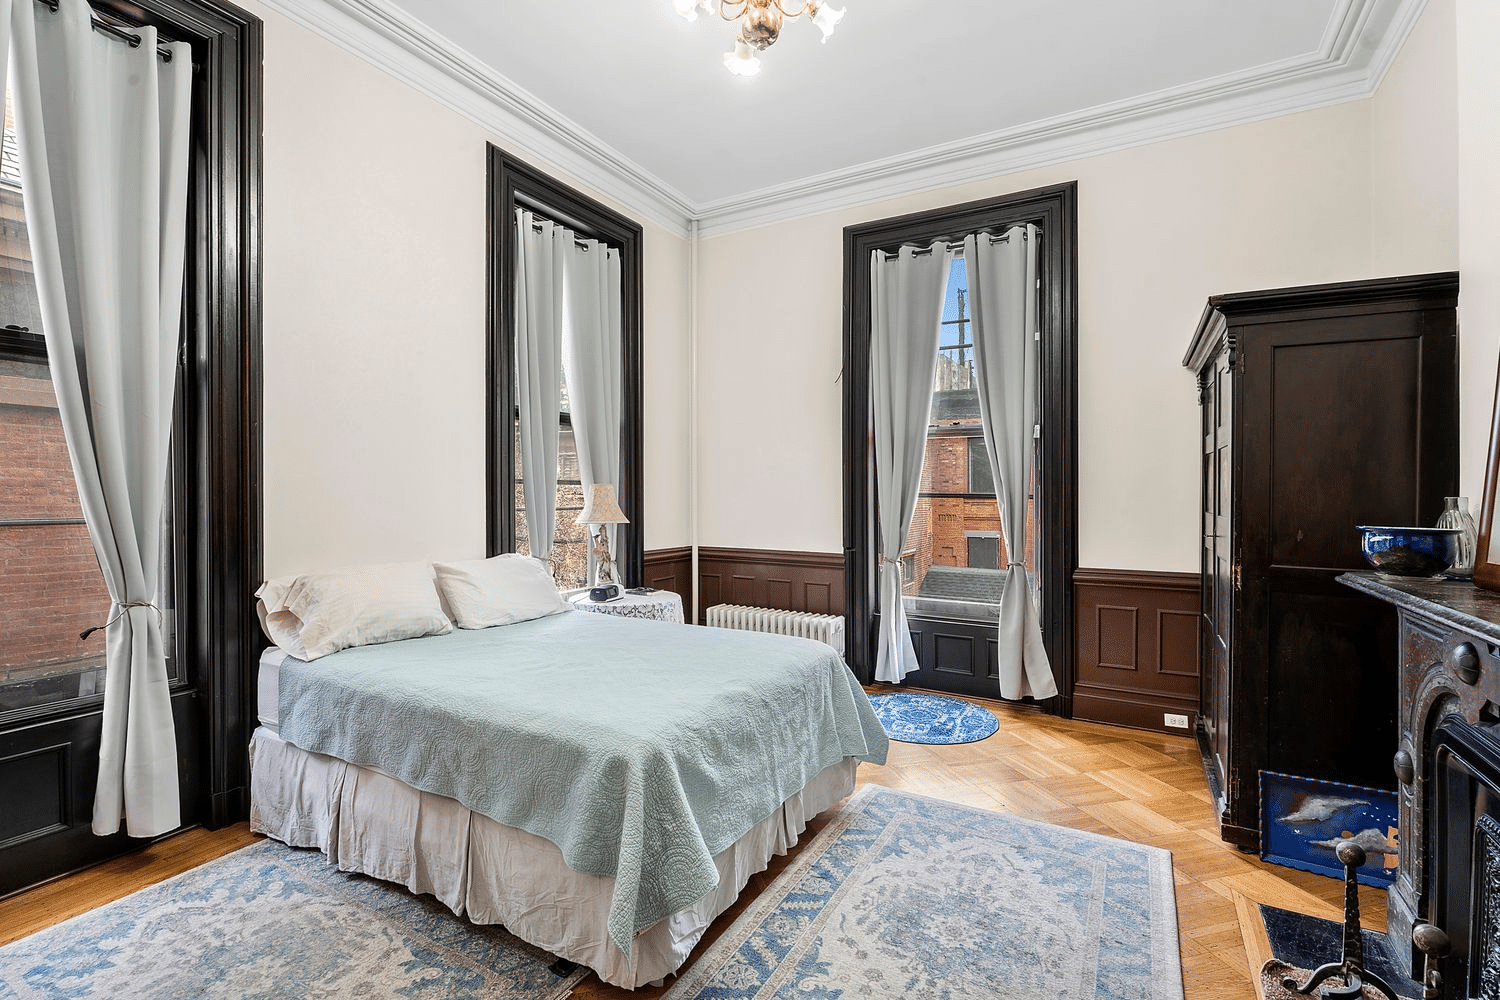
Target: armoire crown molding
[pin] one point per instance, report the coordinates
(1358, 46)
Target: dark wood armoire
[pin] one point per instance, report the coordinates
(1323, 407)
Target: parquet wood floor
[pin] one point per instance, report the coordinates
(1141, 786)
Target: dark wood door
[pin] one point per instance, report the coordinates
(1218, 578)
(1341, 443)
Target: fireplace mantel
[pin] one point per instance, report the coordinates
(1449, 669)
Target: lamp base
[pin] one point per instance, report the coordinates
(604, 564)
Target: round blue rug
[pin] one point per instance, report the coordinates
(932, 718)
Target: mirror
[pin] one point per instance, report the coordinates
(1487, 551)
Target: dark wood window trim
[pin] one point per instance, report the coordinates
(220, 518)
(1054, 210)
(514, 183)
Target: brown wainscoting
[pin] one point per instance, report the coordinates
(768, 578)
(671, 569)
(1137, 647)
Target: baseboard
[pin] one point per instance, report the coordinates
(1134, 711)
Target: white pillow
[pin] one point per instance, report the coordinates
(315, 614)
(501, 590)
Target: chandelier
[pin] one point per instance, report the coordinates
(759, 24)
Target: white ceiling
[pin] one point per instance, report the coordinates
(907, 94)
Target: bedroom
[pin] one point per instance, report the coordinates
(374, 276)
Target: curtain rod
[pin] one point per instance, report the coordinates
(100, 24)
(919, 251)
(578, 241)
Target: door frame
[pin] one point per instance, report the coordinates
(1054, 210)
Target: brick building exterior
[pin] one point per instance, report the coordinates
(50, 585)
(959, 536)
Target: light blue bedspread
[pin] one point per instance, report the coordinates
(641, 749)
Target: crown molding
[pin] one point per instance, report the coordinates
(1358, 46)
(1361, 41)
(395, 42)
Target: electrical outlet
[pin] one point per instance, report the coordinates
(1174, 721)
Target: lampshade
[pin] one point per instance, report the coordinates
(600, 507)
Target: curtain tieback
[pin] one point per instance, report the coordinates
(119, 614)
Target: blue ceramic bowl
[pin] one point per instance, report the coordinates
(1409, 551)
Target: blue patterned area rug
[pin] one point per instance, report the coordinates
(933, 718)
(273, 921)
(905, 896)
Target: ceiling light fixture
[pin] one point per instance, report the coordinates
(759, 24)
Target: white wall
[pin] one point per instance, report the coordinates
(1478, 41)
(1161, 228)
(374, 297)
(1414, 152)
(374, 306)
(1360, 190)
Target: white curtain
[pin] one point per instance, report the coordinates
(103, 130)
(1007, 358)
(543, 249)
(592, 347)
(906, 310)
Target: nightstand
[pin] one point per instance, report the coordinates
(657, 606)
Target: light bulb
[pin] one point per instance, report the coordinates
(742, 61)
(826, 18)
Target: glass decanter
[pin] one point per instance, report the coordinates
(1456, 515)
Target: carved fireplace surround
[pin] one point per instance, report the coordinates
(1448, 767)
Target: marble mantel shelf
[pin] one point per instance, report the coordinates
(1441, 599)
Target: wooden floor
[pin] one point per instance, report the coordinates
(1140, 786)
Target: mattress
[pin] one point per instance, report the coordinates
(371, 823)
(268, 688)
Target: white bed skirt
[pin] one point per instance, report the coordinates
(366, 821)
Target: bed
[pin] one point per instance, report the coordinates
(603, 787)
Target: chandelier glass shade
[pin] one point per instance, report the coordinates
(760, 24)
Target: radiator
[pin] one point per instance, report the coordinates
(824, 628)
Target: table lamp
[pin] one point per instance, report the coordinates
(601, 509)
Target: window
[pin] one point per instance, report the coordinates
(983, 549)
(981, 474)
(956, 506)
(52, 589)
(570, 540)
(514, 183)
(955, 531)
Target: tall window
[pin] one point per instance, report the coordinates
(52, 589)
(954, 549)
(954, 540)
(570, 540)
(516, 184)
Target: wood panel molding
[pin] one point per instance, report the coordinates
(771, 578)
(1137, 647)
(670, 569)
(1135, 579)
